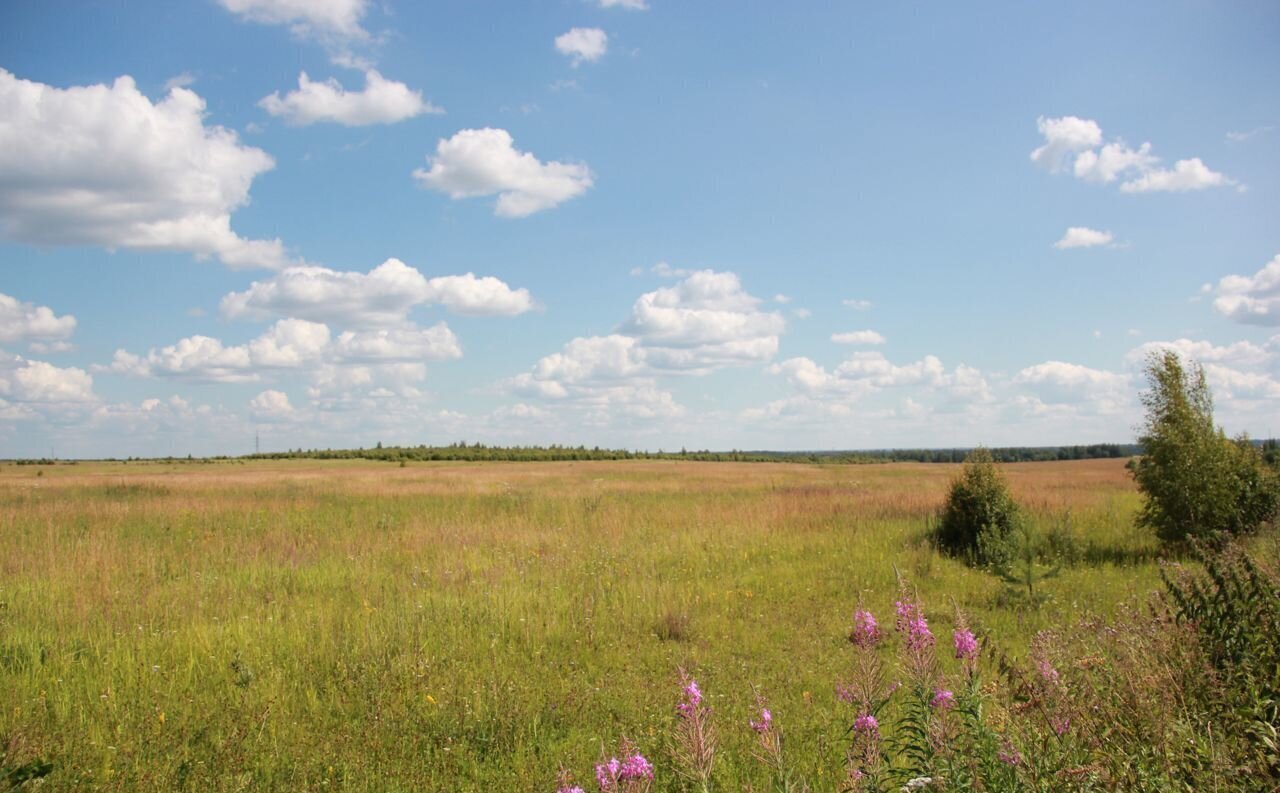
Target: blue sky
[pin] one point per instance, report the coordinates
(638, 224)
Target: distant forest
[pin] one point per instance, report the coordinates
(479, 452)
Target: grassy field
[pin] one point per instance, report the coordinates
(360, 626)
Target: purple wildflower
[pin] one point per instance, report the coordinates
(1009, 755)
(942, 699)
(866, 631)
(911, 622)
(694, 695)
(636, 767)
(845, 693)
(765, 723)
(1046, 670)
(1060, 725)
(866, 723)
(966, 645)
(607, 774)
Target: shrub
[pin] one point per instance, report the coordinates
(980, 515)
(1197, 482)
(1233, 605)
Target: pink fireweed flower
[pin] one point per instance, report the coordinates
(635, 767)
(1047, 673)
(866, 632)
(765, 723)
(1009, 755)
(607, 774)
(942, 699)
(966, 645)
(912, 623)
(694, 695)
(866, 723)
(845, 693)
(1060, 725)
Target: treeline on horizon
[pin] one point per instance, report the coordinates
(479, 452)
(463, 451)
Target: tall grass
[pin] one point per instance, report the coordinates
(356, 626)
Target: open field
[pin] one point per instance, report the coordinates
(360, 626)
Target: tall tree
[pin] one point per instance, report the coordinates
(1197, 482)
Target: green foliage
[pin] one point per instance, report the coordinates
(16, 777)
(980, 514)
(1023, 559)
(1197, 482)
(1234, 607)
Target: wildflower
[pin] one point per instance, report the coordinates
(866, 632)
(636, 767)
(694, 695)
(966, 645)
(574, 789)
(1009, 755)
(1047, 673)
(633, 768)
(866, 723)
(911, 622)
(942, 699)
(607, 774)
(765, 723)
(917, 783)
(1060, 725)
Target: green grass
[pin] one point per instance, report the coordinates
(357, 626)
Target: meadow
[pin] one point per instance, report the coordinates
(354, 625)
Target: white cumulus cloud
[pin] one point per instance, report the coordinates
(705, 322)
(382, 101)
(1075, 144)
(1083, 237)
(1064, 137)
(24, 381)
(630, 5)
(271, 405)
(858, 337)
(1058, 382)
(484, 162)
(1253, 299)
(306, 18)
(406, 345)
(478, 296)
(102, 165)
(288, 344)
(1186, 175)
(583, 44)
(38, 325)
(383, 296)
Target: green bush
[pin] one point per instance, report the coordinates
(1233, 605)
(1197, 481)
(980, 515)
